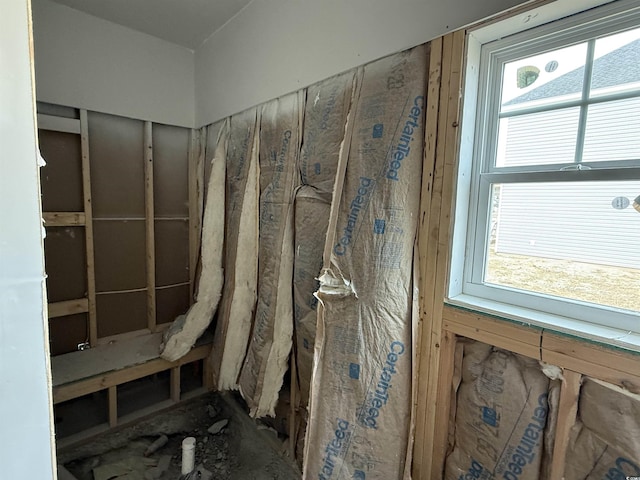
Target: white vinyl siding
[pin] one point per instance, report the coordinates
(570, 221)
(613, 131)
(539, 138)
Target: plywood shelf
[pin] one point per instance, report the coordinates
(81, 373)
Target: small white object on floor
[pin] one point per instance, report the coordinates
(188, 455)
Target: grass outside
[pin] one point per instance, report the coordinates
(605, 285)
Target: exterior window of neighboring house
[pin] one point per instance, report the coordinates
(548, 204)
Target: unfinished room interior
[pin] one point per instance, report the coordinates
(287, 239)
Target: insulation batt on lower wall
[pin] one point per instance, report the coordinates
(237, 305)
(502, 407)
(605, 442)
(361, 387)
(270, 344)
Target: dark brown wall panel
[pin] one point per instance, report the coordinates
(170, 170)
(210, 150)
(172, 252)
(61, 178)
(116, 147)
(171, 302)
(119, 255)
(65, 333)
(65, 263)
(121, 312)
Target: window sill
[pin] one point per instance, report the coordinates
(601, 335)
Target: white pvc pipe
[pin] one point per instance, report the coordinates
(188, 455)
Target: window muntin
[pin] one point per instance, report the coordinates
(566, 142)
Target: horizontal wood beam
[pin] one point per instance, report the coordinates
(68, 307)
(575, 354)
(58, 124)
(96, 383)
(63, 219)
(500, 333)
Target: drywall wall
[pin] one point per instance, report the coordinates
(274, 47)
(85, 62)
(26, 442)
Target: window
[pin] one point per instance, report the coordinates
(548, 218)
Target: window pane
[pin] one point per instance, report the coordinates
(613, 131)
(574, 240)
(616, 65)
(544, 79)
(538, 138)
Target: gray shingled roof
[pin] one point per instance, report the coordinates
(615, 68)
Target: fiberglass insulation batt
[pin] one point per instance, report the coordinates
(270, 343)
(324, 122)
(605, 442)
(501, 418)
(361, 385)
(241, 252)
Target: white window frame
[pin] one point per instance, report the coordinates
(488, 48)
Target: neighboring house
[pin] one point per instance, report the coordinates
(573, 221)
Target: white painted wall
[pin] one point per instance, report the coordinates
(26, 439)
(86, 62)
(273, 47)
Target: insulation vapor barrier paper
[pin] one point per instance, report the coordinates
(184, 332)
(235, 317)
(324, 121)
(501, 417)
(311, 221)
(605, 442)
(361, 386)
(270, 344)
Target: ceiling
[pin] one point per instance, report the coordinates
(183, 22)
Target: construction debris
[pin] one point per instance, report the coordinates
(157, 445)
(217, 427)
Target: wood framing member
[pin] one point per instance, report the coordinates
(197, 147)
(426, 249)
(88, 228)
(567, 411)
(112, 396)
(175, 384)
(521, 339)
(68, 307)
(611, 365)
(59, 124)
(63, 219)
(150, 226)
(96, 383)
(435, 229)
